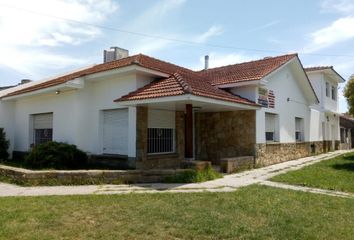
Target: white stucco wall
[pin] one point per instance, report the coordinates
(7, 115)
(318, 81)
(77, 114)
(324, 121)
(284, 85)
(248, 92)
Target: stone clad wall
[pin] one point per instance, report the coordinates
(143, 160)
(78, 177)
(225, 134)
(267, 154)
(271, 153)
(141, 135)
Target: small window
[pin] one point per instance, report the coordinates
(334, 93)
(42, 128)
(160, 140)
(327, 89)
(43, 136)
(270, 127)
(299, 133)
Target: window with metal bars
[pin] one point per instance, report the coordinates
(43, 136)
(160, 140)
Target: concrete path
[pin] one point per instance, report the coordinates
(307, 189)
(228, 183)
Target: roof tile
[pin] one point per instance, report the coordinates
(248, 71)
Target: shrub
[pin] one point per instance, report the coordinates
(56, 155)
(4, 146)
(193, 176)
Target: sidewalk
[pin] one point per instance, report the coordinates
(228, 183)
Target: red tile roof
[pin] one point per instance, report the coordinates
(140, 59)
(248, 71)
(183, 83)
(181, 80)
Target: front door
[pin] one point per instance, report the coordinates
(115, 131)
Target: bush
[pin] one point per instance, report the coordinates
(4, 146)
(193, 176)
(56, 155)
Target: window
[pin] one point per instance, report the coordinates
(299, 133)
(160, 140)
(43, 136)
(327, 89)
(161, 131)
(343, 135)
(42, 128)
(334, 93)
(270, 127)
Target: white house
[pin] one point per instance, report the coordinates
(154, 114)
(325, 81)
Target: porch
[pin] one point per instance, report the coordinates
(170, 133)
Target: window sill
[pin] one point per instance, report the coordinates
(161, 155)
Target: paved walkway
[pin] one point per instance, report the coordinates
(228, 183)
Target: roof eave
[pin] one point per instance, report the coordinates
(188, 97)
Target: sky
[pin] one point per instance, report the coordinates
(43, 38)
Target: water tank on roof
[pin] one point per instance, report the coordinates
(114, 53)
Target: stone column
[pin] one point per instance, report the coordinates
(141, 135)
(189, 131)
(180, 131)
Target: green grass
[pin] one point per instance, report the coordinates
(334, 174)
(254, 212)
(194, 176)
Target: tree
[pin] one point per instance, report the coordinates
(349, 94)
(4, 145)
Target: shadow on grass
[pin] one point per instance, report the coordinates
(344, 166)
(349, 157)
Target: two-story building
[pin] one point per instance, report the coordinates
(325, 82)
(153, 114)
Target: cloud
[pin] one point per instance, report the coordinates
(265, 26)
(31, 62)
(337, 6)
(211, 32)
(33, 30)
(154, 16)
(39, 22)
(339, 31)
(153, 45)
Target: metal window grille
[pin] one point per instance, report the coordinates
(269, 136)
(160, 140)
(43, 136)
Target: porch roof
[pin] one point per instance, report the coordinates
(184, 83)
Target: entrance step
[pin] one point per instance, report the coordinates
(194, 164)
(216, 168)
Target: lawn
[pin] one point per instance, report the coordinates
(334, 174)
(254, 212)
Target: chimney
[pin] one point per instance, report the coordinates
(24, 81)
(114, 53)
(206, 62)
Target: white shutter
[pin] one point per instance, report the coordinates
(115, 131)
(269, 122)
(161, 119)
(43, 121)
(298, 125)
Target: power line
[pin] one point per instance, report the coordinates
(183, 41)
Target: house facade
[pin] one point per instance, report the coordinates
(346, 124)
(154, 114)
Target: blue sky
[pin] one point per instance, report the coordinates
(38, 38)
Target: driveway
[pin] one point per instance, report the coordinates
(229, 183)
